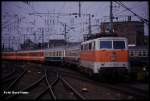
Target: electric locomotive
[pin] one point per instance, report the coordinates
(106, 53)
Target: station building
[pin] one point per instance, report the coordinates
(133, 30)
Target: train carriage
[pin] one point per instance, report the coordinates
(9, 55)
(55, 54)
(31, 55)
(72, 55)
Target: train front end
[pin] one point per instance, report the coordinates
(111, 56)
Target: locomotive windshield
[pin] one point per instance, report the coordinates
(112, 44)
(119, 44)
(106, 44)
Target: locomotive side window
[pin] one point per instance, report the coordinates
(81, 47)
(106, 44)
(86, 46)
(93, 45)
(119, 44)
(90, 46)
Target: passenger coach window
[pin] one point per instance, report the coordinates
(106, 44)
(119, 44)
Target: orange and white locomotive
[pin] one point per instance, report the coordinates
(101, 54)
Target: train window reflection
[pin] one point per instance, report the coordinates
(119, 44)
(106, 44)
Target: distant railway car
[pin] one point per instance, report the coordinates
(72, 55)
(105, 53)
(139, 61)
(31, 55)
(138, 55)
(9, 55)
(55, 55)
(136, 52)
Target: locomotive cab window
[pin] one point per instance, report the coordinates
(93, 45)
(106, 44)
(89, 46)
(119, 44)
(81, 47)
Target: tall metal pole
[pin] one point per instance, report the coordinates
(2, 46)
(111, 18)
(65, 36)
(42, 37)
(79, 8)
(9, 41)
(24, 38)
(18, 33)
(89, 23)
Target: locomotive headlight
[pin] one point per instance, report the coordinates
(102, 64)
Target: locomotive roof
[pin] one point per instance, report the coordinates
(24, 51)
(105, 38)
(39, 50)
(55, 48)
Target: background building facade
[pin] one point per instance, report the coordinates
(133, 30)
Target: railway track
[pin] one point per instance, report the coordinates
(10, 77)
(28, 89)
(18, 83)
(7, 70)
(60, 83)
(47, 85)
(122, 88)
(127, 89)
(7, 90)
(134, 93)
(61, 89)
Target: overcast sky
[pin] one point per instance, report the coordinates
(97, 8)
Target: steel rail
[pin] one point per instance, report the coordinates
(29, 87)
(134, 88)
(48, 88)
(127, 91)
(7, 80)
(43, 92)
(50, 85)
(8, 75)
(75, 91)
(14, 81)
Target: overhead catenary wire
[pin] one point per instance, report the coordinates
(141, 18)
(125, 10)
